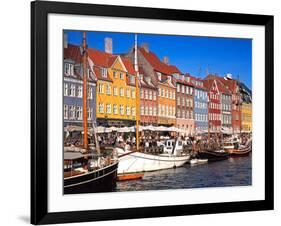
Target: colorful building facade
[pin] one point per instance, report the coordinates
(160, 75)
(184, 104)
(148, 100)
(200, 106)
(73, 88)
(214, 106)
(116, 89)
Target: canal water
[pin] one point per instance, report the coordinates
(230, 172)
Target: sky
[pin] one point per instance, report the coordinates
(191, 54)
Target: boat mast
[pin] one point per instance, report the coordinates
(137, 91)
(85, 118)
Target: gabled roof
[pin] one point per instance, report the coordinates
(222, 87)
(100, 58)
(106, 60)
(193, 79)
(72, 52)
(157, 64)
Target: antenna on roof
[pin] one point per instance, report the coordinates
(208, 69)
(199, 71)
(136, 54)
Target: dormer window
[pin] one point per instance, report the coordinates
(68, 69)
(159, 76)
(104, 72)
(132, 79)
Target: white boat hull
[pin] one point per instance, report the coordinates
(133, 162)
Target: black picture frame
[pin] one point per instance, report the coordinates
(39, 112)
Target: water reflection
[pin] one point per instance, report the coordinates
(230, 172)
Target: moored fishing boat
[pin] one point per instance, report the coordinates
(242, 151)
(85, 173)
(212, 156)
(137, 159)
(86, 168)
(172, 156)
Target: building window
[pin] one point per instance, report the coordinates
(65, 111)
(90, 93)
(121, 109)
(69, 69)
(146, 110)
(133, 111)
(104, 72)
(108, 108)
(150, 111)
(79, 112)
(108, 89)
(72, 112)
(154, 111)
(100, 88)
(132, 79)
(65, 89)
(146, 94)
(154, 95)
(178, 88)
(115, 91)
(191, 91)
(128, 110)
(122, 76)
(101, 109)
(114, 74)
(115, 109)
(121, 92)
(133, 94)
(167, 93)
(179, 101)
(80, 91)
(162, 93)
(128, 93)
(90, 113)
(142, 110)
(183, 101)
(150, 95)
(141, 93)
(182, 89)
(72, 90)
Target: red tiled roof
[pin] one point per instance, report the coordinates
(97, 71)
(157, 64)
(208, 81)
(128, 65)
(106, 60)
(229, 83)
(193, 78)
(72, 52)
(100, 58)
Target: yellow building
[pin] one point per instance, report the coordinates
(166, 102)
(246, 112)
(116, 89)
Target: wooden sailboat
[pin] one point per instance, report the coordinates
(135, 161)
(86, 169)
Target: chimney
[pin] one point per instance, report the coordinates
(108, 45)
(166, 60)
(65, 40)
(145, 46)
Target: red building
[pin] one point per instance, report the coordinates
(214, 105)
(148, 100)
(232, 87)
(184, 103)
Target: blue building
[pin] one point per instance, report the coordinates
(73, 88)
(200, 106)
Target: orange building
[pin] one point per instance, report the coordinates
(166, 102)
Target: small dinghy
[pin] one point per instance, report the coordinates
(198, 161)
